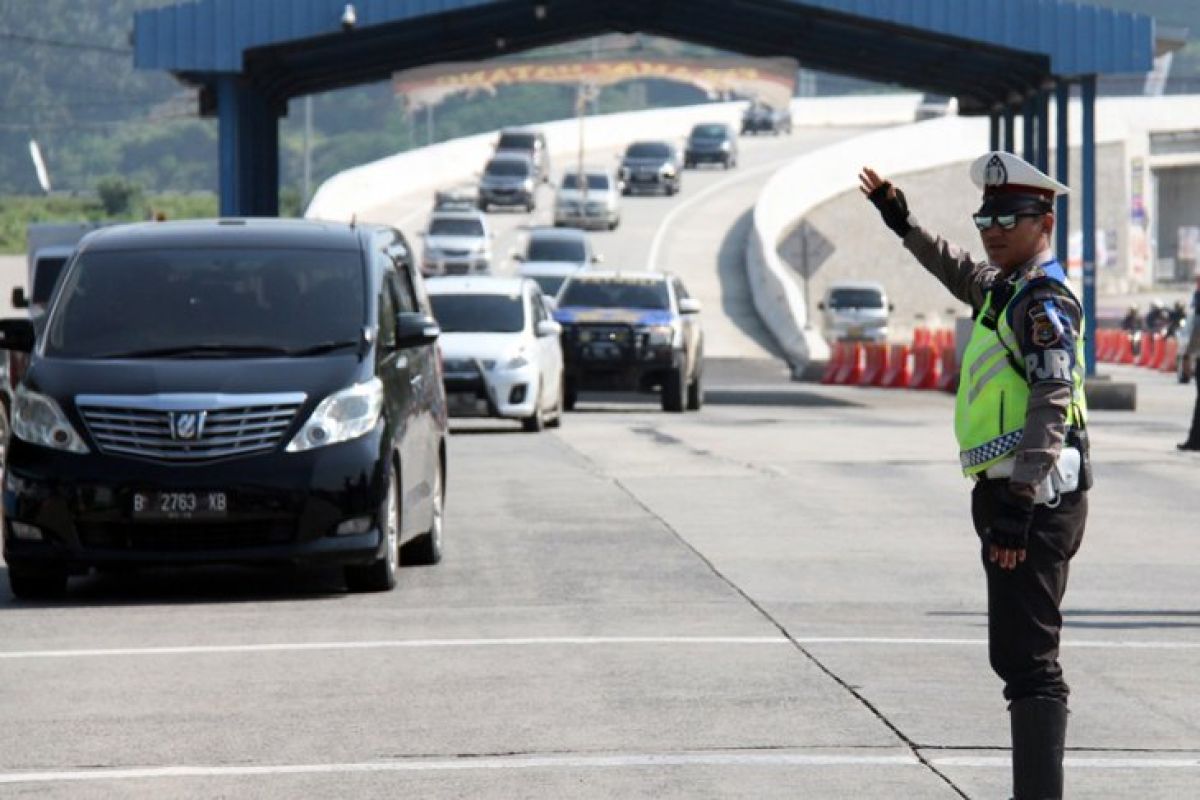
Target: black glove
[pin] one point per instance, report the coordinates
(894, 210)
(1013, 520)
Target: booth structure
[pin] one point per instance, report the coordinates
(1000, 58)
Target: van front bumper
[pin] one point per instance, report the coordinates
(481, 392)
(77, 511)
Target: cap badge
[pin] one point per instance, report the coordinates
(995, 174)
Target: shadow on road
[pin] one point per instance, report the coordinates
(1109, 619)
(736, 300)
(190, 585)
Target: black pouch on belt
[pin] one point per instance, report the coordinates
(1078, 437)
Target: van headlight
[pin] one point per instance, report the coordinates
(38, 419)
(516, 361)
(342, 416)
(660, 335)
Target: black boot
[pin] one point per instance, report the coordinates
(1039, 734)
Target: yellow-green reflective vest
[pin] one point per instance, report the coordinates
(989, 413)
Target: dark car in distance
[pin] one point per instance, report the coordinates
(508, 179)
(631, 331)
(711, 143)
(763, 118)
(228, 391)
(527, 142)
(651, 166)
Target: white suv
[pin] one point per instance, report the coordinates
(501, 355)
(855, 310)
(599, 208)
(457, 243)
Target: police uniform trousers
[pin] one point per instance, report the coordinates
(1193, 439)
(1024, 616)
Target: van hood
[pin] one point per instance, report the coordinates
(529, 268)
(581, 315)
(594, 195)
(483, 346)
(317, 378)
(454, 242)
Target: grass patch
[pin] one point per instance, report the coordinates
(16, 212)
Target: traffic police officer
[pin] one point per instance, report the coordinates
(1020, 421)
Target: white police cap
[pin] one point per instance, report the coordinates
(999, 173)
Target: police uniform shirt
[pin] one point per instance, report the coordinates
(1046, 324)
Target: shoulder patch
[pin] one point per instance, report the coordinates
(1045, 329)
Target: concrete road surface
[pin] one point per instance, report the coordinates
(698, 234)
(752, 601)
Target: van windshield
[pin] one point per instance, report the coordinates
(709, 132)
(648, 150)
(479, 313)
(595, 180)
(221, 302)
(508, 167)
(616, 293)
(45, 275)
(554, 249)
(516, 141)
(855, 298)
(455, 226)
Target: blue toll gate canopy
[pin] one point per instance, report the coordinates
(984, 52)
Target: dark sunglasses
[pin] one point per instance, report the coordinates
(1005, 221)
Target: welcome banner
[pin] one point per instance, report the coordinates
(771, 80)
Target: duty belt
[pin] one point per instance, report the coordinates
(988, 451)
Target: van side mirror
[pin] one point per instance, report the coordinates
(891, 306)
(821, 306)
(19, 300)
(17, 335)
(548, 327)
(689, 305)
(414, 329)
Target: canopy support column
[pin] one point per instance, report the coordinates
(1062, 169)
(248, 150)
(1088, 92)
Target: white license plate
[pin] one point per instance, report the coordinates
(180, 505)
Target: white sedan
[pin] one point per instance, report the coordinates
(501, 354)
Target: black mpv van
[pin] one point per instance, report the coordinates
(245, 391)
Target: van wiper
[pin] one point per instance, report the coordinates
(324, 347)
(243, 350)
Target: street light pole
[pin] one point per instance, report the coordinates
(581, 98)
(308, 119)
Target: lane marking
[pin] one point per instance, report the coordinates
(471, 763)
(743, 175)
(583, 641)
(1073, 762)
(282, 647)
(619, 760)
(1067, 642)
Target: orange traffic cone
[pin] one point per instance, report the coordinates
(927, 368)
(949, 379)
(900, 370)
(836, 359)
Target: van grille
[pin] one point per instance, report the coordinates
(188, 428)
(186, 537)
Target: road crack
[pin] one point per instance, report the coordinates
(913, 747)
